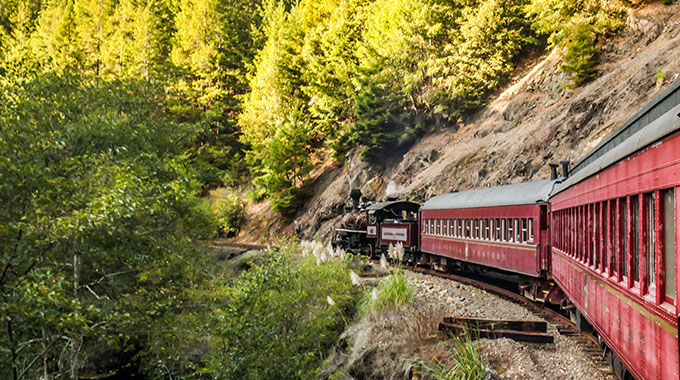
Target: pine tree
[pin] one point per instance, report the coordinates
(17, 22)
(286, 163)
(380, 116)
(213, 47)
(92, 19)
(582, 56)
(332, 63)
(55, 43)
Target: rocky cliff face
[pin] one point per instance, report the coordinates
(531, 123)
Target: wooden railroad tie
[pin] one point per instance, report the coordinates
(525, 331)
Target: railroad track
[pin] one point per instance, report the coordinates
(244, 246)
(564, 325)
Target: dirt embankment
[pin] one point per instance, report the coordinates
(533, 122)
(389, 345)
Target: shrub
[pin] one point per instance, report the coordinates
(392, 292)
(465, 362)
(659, 76)
(277, 320)
(229, 210)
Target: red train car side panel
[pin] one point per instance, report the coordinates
(635, 317)
(524, 253)
(645, 341)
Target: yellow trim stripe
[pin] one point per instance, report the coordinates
(664, 324)
(507, 245)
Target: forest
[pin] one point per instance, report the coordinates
(119, 117)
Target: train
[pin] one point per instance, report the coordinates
(599, 239)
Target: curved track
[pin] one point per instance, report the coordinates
(563, 324)
(244, 246)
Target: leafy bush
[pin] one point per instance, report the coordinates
(465, 362)
(98, 220)
(659, 76)
(276, 321)
(392, 292)
(229, 210)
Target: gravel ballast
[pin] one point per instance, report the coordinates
(565, 359)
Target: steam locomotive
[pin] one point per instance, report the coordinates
(370, 227)
(600, 240)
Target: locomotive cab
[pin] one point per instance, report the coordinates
(393, 222)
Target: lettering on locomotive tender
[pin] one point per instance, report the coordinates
(399, 234)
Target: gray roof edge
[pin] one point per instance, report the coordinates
(651, 104)
(507, 195)
(663, 126)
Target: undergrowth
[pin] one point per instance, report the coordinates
(464, 362)
(229, 210)
(392, 292)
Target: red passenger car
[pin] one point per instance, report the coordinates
(615, 235)
(504, 228)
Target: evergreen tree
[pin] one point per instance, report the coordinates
(55, 43)
(286, 163)
(381, 116)
(273, 109)
(213, 46)
(17, 23)
(332, 64)
(582, 56)
(92, 19)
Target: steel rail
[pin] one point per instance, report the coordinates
(563, 324)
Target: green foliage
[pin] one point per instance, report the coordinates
(272, 322)
(467, 363)
(576, 24)
(98, 200)
(379, 74)
(285, 164)
(559, 19)
(332, 61)
(273, 122)
(213, 48)
(392, 292)
(379, 112)
(229, 209)
(481, 55)
(201, 49)
(582, 56)
(659, 76)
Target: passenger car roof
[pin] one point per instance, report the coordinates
(662, 126)
(508, 195)
(660, 105)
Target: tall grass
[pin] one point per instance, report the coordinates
(392, 292)
(465, 362)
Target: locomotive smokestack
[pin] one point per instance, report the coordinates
(355, 194)
(553, 171)
(565, 169)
